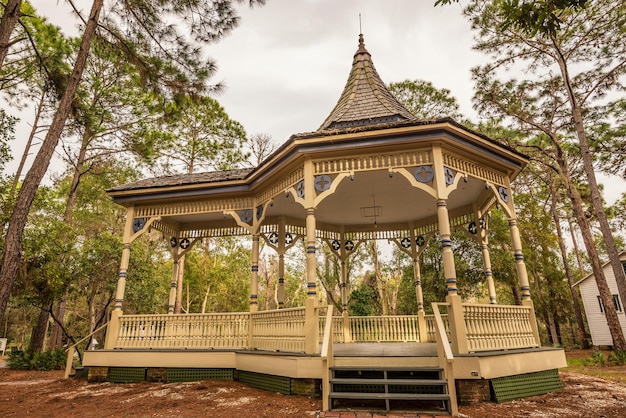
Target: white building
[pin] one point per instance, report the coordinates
(600, 334)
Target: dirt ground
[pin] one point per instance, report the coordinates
(47, 394)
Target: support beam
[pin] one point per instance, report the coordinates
(173, 287)
(522, 274)
(254, 276)
(449, 269)
(280, 293)
(311, 261)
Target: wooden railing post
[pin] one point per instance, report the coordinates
(312, 345)
(421, 326)
(113, 330)
(347, 332)
(533, 320)
(456, 319)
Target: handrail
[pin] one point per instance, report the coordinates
(328, 334)
(444, 349)
(327, 357)
(441, 332)
(72, 349)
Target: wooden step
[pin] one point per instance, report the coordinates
(404, 396)
(389, 369)
(389, 382)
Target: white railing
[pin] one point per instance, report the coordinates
(280, 330)
(498, 327)
(216, 330)
(431, 327)
(337, 328)
(485, 328)
(396, 328)
(392, 328)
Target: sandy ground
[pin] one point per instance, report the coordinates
(47, 394)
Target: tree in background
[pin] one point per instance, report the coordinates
(204, 139)
(424, 100)
(164, 59)
(7, 133)
(559, 108)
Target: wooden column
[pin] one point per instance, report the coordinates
(449, 269)
(173, 287)
(522, 274)
(487, 268)
(280, 293)
(311, 260)
(254, 276)
(113, 328)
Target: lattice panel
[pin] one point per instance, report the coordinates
(127, 374)
(193, 375)
(373, 162)
(267, 382)
(524, 385)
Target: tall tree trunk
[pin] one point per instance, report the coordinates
(579, 257)
(13, 240)
(9, 19)
(38, 336)
(612, 320)
(78, 174)
(29, 142)
(596, 196)
(582, 334)
(56, 332)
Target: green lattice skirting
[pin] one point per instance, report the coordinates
(266, 382)
(192, 375)
(127, 374)
(524, 385)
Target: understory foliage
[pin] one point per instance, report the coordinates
(47, 360)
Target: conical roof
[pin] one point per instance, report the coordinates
(365, 99)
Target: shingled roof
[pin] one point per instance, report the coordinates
(365, 99)
(185, 179)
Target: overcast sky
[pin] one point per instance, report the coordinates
(286, 64)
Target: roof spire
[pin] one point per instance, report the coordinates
(365, 99)
(361, 45)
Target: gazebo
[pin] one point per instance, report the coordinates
(371, 171)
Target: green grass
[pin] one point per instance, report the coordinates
(603, 364)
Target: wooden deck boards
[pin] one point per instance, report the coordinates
(385, 350)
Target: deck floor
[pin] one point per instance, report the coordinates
(385, 350)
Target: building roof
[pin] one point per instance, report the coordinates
(365, 99)
(185, 179)
(364, 105)
(622, 257)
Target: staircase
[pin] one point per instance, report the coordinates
(421, 389)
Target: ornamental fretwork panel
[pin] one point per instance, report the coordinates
(281, 185)
(194, 207)
(471, 168)
(373, 162)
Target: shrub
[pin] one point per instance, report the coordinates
(617, 358)
(48, 360)
(596, 359)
